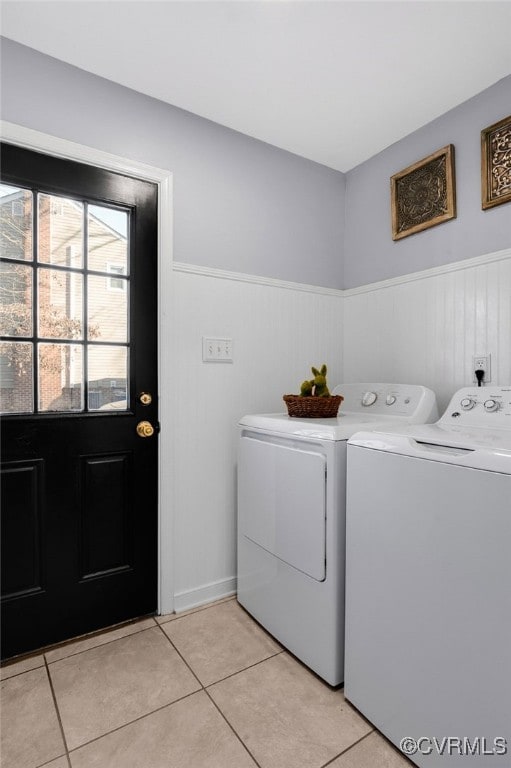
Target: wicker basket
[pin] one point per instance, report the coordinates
(313, 407)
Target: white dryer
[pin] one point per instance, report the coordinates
(291, 516)
(428, 582)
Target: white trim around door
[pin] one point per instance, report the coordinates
(52, 145)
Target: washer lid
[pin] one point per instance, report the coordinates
(476, 447)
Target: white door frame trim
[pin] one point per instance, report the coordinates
(52, 145)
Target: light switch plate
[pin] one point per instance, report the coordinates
(216, 350)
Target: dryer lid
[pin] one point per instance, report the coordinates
(365, 405)
(340, 428)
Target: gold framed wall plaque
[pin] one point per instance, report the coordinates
(496, 163)
(423, 195)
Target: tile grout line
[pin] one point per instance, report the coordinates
(180, 656)
(283, 650)
(130, 722)
(169, 704)
(77, 653)
(49, 762)
(325, 765)
(250, 666)
(93, 647)
(23, 672)
(153, 711)
(146, 714)
(57, 710)
(203, 687)
(231, 726)
(43, 651)
(57, 646)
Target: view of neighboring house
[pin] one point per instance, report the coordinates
(69, 262)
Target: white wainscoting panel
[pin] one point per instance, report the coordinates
(426, 330)
(278, 332)
(423, 329)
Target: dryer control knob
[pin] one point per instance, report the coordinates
(390, 399)
(491, 405)
(368, 398)
(467, 403)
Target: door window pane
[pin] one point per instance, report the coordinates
(46, 371)
(16, 376)
(60, 231)
(15, 223)
(60, 304)
(15, 299)
(60, 368)
(108, 239)
(108, 377)
(107, 308)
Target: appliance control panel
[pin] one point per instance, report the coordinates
(413, 402)
(480, 407)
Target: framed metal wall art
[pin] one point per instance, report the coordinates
(423, 195)
(496, 163)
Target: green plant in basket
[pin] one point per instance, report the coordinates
(306, 389)
(316, 387)
(314, 400)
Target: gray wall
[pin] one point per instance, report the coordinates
(240, 204)
(245, 206)
(370, 252)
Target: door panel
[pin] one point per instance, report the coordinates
(22, 496)
(79, 343)
(105, 496)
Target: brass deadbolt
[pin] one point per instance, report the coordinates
(145, 429)
(145, 398)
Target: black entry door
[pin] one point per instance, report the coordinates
(78, 394)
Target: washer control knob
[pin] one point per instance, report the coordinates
(390, 399)
(368, 398)
(491, 406)
(467, 403)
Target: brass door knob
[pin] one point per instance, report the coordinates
(145, 429)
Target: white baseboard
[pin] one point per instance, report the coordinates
(207, 593)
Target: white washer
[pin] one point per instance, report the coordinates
(291, 516)
(428, 581)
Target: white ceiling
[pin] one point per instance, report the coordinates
(333, 81)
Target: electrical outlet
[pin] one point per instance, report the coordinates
(482, 363)
(216, 350)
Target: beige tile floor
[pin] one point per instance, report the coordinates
(204, 689)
